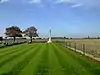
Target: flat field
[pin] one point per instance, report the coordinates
(92, 46)
(45, 59)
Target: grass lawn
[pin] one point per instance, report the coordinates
(45, 59)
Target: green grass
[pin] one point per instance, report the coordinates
(45, 59)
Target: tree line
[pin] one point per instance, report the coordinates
(15, 31)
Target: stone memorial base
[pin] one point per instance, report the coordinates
(49, 41)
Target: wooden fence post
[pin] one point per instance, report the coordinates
(66, 43)
(84, 49)
(75, 46)
(69, 44)
(94, 53)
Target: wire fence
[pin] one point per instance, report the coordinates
(87, 48)
(8, 42)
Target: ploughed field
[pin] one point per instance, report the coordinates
(45, 59)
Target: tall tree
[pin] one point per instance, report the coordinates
(31, 32)
(14, 32)
(1, 38)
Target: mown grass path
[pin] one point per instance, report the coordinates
(45, 59)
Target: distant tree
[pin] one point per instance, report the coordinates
(88, 37)
(98, 37)
(14, 32)
(64, 37)
(31, 32)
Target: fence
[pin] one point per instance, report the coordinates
(86, 48)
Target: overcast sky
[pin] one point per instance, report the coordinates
(73, 18)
